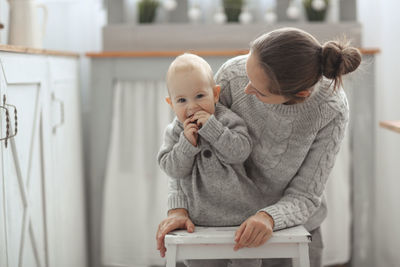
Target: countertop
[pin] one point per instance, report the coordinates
(203, 53)
(27, 50)
(391, 125)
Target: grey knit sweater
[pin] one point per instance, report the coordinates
(211, 175)
(294, 149)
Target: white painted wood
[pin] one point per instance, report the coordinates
(225, 235)
(304, 259)
(42, 207)
(218, 243)
(67, 182)
(225, 251)
(24, 180)
(171, 255)
(295, 262)
(3, 240)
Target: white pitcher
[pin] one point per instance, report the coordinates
(24, 27)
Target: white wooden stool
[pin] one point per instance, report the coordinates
(218, 243)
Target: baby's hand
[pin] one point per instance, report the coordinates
(201, 118)
(190, 131)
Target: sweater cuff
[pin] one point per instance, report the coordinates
(177, 202)
(277, 216)
(211, 130)
(186, 147)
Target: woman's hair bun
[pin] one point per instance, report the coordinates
(339, 58)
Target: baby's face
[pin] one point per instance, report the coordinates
(190, 92)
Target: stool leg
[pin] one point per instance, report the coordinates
(303, 260)
(171, 255)
(295, 262)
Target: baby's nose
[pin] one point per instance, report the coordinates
(192, 106)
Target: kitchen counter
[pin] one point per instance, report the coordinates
(391, 125)
(203, 53)
(28, 50)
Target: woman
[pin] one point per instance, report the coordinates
(288, 91)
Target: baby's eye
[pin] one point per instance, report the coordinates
(200, 95)
(181, 100)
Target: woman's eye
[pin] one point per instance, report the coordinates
(181, 100)
(260, 93)
(199, 95)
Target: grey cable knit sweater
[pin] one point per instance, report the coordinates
(294, 150)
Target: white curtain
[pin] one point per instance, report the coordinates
(135, 192)
(336, 229)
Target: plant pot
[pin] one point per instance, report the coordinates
(147, 10)
(315, 15)
(232, 9)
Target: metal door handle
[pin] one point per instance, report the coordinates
(8, 124)
(62, 114)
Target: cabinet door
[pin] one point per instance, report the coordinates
(3, 243)
(24, 80)
(68, 227)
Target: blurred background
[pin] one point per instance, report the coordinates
(80, 184)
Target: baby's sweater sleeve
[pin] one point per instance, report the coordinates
(304, 194)
(177, 154)
(176, 197)
(227, 134)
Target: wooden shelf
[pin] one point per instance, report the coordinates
(391, 125)
(29, 50)
(205, 53)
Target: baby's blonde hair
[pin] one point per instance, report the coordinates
(189, 62)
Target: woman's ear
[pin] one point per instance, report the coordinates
(303, 94)
(217, 90)
(168, 99)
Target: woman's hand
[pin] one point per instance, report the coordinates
(177, 219)
(254, 231)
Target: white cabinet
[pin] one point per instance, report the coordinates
(42, 204)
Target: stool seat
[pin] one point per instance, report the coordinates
(218, 243)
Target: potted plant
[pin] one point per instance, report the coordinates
(316, 9)
(147, 10)
(232, 9)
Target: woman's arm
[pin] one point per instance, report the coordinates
(177, 154)
(304, 193)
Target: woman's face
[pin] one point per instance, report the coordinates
(259, 83)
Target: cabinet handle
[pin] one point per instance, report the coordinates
(8, 125)
(62, 119)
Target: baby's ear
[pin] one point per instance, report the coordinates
(217, 90)
(168, 99)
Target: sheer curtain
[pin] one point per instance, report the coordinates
(135, 192)
(336, 229)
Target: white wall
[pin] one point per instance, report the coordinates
(380, 20)
(73, 25)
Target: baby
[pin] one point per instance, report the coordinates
(204, 149)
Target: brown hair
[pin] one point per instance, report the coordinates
(295, 61)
